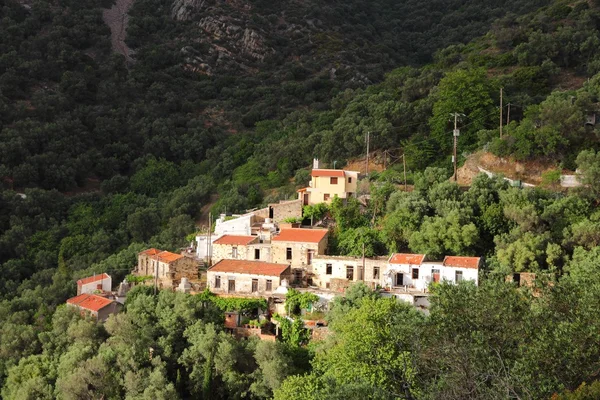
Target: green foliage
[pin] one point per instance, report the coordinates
(467, 92)
(315, 212)
(296, 301)
(233, 303)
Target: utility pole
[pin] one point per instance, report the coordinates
(208, 243)
(367, 159)
(155, 273)
(455, 134)
(508, 116)
(501, 112)
(361, 275)
(384, 158)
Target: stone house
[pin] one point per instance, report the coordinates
(232, 247)
(242, 277)
(336, 273)
(325, 184)
(298, 247)
(165, 267)
(97, 306)
(411, 271)
(93, 284)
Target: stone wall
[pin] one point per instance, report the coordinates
(286, 209)
(299, 252)
(339, 285)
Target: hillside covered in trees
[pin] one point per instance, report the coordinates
(224, 106)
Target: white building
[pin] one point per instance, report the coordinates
(411, 271)
(93, 284)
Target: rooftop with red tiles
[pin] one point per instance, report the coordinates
(160, 255)
(89, 302)
(91, 279)
(405, 258)
(300, 235)
(327, 172)
(249, 267)
(235, 240)
(461, 262)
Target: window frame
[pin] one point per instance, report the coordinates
(350, 272)
(328, 269)
(333, 180)
(234, 252)
(269, 285)
(457, 274)
(288, 253)
(376, 271)
(413, 275)
(218, 281)
(254, 285)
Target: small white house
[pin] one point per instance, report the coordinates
(410, 271)
(93, 284)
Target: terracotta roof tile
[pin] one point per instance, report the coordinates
(461, 262)
(249, 267)
(235, 239)
(151, 252)
(327, 172)
(300, 235)
(167, 256)
(162, 256)
(90, 279)
(404, 258)
(89, 302)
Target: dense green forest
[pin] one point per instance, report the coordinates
(110, 157)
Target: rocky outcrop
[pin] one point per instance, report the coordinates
(185, 10)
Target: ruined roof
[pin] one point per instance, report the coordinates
(405, 258)
(327, 172)
(163, 256)
(235, 239)
(300, 235)
(249, 267)
(89, 302)
(461, 262)
(91, 279)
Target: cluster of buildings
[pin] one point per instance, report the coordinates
(261, 253)
(95, 296)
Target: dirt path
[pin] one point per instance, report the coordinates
(117, 18)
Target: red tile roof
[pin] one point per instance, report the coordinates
(249, 267)
(235, 239)
(302, 189)
(167, 256)
(163, 256)
(461, 262)
(300, 235)
(151, 252)
(89, 302)
(91, 279)
(404, 258)
(327, 172)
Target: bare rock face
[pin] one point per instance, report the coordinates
(184, 10)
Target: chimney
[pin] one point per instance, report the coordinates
(315, 163)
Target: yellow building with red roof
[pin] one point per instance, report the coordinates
(325, 184)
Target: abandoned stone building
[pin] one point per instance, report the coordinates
(165, 268)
